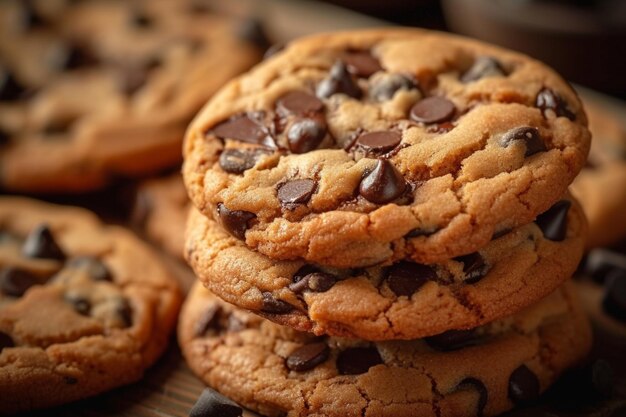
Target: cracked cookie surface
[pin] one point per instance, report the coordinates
(404, 300)
(280, 372)
(357, 148)
(84, 307)
(97, 90)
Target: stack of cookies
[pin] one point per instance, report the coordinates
(393, 207)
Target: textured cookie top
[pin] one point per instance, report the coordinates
(83, 307)
(405, 300)
(99, 89)
(279, 372)
(356, 148)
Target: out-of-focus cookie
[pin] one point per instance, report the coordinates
(280, 372)
(84, 307)
(96, 90)
(404, 300)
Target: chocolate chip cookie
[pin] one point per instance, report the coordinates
(601, 185)
(96, 90)
(160, 212)
(405, 300)
(83, 307)
(484, 371)
(356, 148)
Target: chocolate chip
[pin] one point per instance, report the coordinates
(523, 386)
(4, 137)
(299, 103)
(426, 231)
(452, 340)
(600, 262)
(296, 192)
(30, 16)
(361, 64)
(383, 184)
(75, 57)
(41, 244)
(484, 66)
(208, 321)
(529, 135)
(549, 100)
(95, 268)
(243, 128)
(553, 222)
(601, 377)
(307, 357)
(355, 361)
(273, 305)
(5, 341)
(235, 221)
(125, 312)
(315, 281)
(305, 135)
(213, 404)
(10, 88)
(81, 305)
(236, 161)
(385, 87)
(474, 267)
(379, 142)
(252, 30)
(405, 278)
(70, 380)
(432, 110)
(140, 19)
(483, 394)
(273, 50)
(614, 301)
(338, 81)
(15, 282)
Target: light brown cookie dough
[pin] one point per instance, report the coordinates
(160, 212)
(97, 90)
(418, 144)
(601, 185)
(405, 300)
(280, 372)
(84, 307)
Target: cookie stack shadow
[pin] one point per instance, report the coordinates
(371, 239)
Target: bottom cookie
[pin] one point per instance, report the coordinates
(278, 371)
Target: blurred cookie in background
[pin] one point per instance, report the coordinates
(98, 90)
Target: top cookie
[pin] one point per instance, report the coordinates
(96, 90)
(357, 148)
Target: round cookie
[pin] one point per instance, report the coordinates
(405, 300)
(279, 372)
(160, 212)
(84, 307)
(97, 90)
(601, 185)
(357, 148)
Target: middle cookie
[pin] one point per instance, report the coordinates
(405, 300)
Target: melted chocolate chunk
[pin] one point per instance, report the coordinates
(73, 57)
(235, 221)
(523, 386)
(474, 267)
(379, 142)
(41, 244)
(305, 135)
(383, 184)
(549, 100)
(273, 305)
(237, 161)
(359, 360)
(452, 340)
(5, 341)
(433, 110)
(295, 192)
(252, 30)
(30, 16)
(405, 278)
(361, 64)
(10, 88)
(614, 301)
(338, 81)
(244, 129)
(208, 321)
(81, 305)
(213, 404)
(15, 282)
(483, 394)
(529, 135)
(299, 103)
(307, 357)
(484, 66)
(314, 281)
(125, 312)
(553, 222)
(96, 270)
(4, 137)
(385, 87)
(600, 262)
(140, 19)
